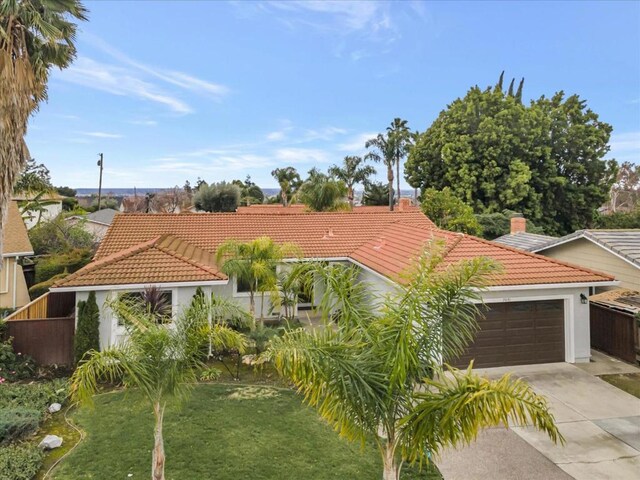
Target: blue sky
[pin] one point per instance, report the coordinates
(170, 91)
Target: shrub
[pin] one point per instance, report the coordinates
(14, 366)
(261, 336)
(210, 374)
(18, 422)
(217, 197)
(20, 462)
(59, 236)
(43, 287)
(37, 396)
(48, 267)
(88, 330)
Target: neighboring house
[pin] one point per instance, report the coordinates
(616, 252)
(519, 238)
(50, 206)
(537, 312)
(15, 245)
(96, 223)
(405, 205)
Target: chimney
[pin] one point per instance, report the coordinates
(404, 204)
(518, 224)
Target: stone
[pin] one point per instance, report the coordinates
(50, 442)
(54, 407)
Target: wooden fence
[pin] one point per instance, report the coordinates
(614, 332)
(44, 329)
(49, 341)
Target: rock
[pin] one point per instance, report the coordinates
(248, 359)
(54, 407)
(50, 442)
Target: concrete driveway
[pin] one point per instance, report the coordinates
(601, 425)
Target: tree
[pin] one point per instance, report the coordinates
(250, 193)
(254, 265)
(352, 172)
(449, 212)
(59, 236)
(362, 375)
(625, 220)
(289, 181)
(217, 197)
(66, 191)
(625, 192)
(162, 363)
(494, 225)
(375, 194)
(545, 160)
(34, 179)
(172, 200)
(321, 193)
(34, 37)
(87, 337)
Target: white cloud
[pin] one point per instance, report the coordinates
(101, 134)
(301, 155)
(325, 133)
(145, 123)
(356, 143)
(626, 146)
(276, 136)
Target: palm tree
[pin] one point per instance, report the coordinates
(289, 181)
(390, 148)
(161, 362)
(321, 193)
(254, 264)
(351, 173)
(375, 194)
(362, 375)
(35, 35)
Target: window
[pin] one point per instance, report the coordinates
(242, 285)
(157, 302)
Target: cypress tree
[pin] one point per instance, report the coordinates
(88, 329)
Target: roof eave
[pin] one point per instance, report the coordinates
(547, 286)
(138, 286)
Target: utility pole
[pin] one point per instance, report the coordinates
(100, 164)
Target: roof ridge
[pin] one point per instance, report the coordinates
(542, 257)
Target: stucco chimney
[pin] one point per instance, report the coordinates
(518, 224)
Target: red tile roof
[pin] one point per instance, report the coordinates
(156, 248)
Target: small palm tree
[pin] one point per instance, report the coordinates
(289, 181)
(362, 376)
(254, 263)
(161, 362)
(352, 172)
(321, 193)
(35, 35)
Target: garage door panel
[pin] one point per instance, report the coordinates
(518, 333)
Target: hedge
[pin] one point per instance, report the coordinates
(20, 462)
(18, 422)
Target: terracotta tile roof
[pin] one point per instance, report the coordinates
(301, 208)
(392, 252)
(162, 259)
(14, 233)
(317, 234)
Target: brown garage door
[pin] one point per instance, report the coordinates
(518, 333)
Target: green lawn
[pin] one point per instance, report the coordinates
(224, 432)
(629, 382)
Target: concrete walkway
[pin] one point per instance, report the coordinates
(601, 425)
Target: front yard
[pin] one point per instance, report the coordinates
(224, 431)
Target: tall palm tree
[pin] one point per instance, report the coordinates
(35, 35)
(254, 263)
(352, 172)
(401, 139)
(161, 362)
(289, 181)
(362, 375)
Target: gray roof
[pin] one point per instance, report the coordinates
(104, 216)
(625, 243)
(524, 241)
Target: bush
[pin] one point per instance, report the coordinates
(14, 366)
(37, 396)
(88, 330)
(48, 267)
(20, 462)
(620, 220)
(43, 287)
(59, 236)
(18, 422)
(210, 374)
(217, 197)
(261, 336)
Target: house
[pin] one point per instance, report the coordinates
(297, 208)
(15, 245)
(519, 238)
(616, 252)
(537, 313)
(38, 208)
(96, 223)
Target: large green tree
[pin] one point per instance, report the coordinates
(362, 374)
(546, 160)
(35, 35)
(217, 197)
(353, 171)
(449, 212)
(322, 193)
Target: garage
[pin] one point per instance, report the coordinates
(518, 333)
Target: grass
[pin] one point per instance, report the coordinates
(629, 382)
(224, 431)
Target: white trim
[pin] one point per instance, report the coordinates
(4, 266)
(377, 274)
(546, 286)
(569, 321)
(16, 254)
(15, 282)
(598, 244)
(139, 286)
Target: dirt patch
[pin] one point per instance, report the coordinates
(253, 393)
(629, 382)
